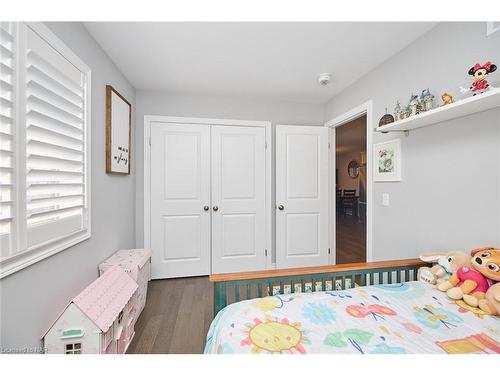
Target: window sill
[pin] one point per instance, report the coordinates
(29, 257)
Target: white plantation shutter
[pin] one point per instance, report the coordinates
(54, 143)
(52, 127)
(7, 134)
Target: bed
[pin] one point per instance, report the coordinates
(369, 308)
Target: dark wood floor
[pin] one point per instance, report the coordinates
(351, 240)
(176, 318)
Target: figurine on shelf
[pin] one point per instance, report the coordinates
(479, 73)
(426, 100)
(398, 114)
(413, 105)
(406, 112)
(447, 99)
(386, 119)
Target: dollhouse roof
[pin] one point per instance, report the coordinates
(106, 297)
(130, 260)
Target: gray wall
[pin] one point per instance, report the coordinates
(450, 194)
(157, 103)
(32, 298)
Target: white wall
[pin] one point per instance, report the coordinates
(158, 103)
(450, 194)
(32, 298)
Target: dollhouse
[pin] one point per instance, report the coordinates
(137, 263)
(100, 320)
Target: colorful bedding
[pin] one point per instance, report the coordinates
(401, 318)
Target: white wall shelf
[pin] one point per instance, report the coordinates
(469, 106)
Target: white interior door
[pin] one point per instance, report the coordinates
(238, 199)
(180, 199)
(302, 215)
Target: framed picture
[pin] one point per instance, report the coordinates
(387, 161)
(492, 27)
(118, 132)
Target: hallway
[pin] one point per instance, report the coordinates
(351, 240)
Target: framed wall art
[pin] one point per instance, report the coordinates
(492, 27)
(387, 161)
(118, 132)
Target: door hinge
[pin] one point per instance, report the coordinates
(328, 250)
(266, 252)
(149, 141)
(329, 145)
(266, 146)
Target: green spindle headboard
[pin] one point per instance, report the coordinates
(234, 287)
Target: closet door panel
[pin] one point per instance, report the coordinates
(238, 199)
(180, 189)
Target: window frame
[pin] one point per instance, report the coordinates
(28, 256)
(72, 349)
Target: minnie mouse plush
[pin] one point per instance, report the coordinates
(480, 72)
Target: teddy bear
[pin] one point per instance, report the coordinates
(491, 303)
(446, 265)
(471, 283)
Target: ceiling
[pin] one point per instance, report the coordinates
(351, 136)
(251, 60)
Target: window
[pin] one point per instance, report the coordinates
(75, 348)
(44, 146)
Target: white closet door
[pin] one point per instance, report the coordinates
(238, 199)
(301, 196)
(180, 199)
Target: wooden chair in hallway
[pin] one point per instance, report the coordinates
(349, 202)
(338, 203)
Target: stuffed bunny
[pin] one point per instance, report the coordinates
(446, 265)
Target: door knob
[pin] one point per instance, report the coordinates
(281, 207)
(215, 208)
(206, 208)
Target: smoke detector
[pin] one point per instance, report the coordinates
(324, 79)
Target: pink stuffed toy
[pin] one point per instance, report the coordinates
(472, 283)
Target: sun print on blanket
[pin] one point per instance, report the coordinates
(275, 336)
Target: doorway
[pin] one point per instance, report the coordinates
(351, 191)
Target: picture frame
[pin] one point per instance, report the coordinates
(118, 132)
(387, 161)
(492, 27)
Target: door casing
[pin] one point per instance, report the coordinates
(149, 119)
(364, 109)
